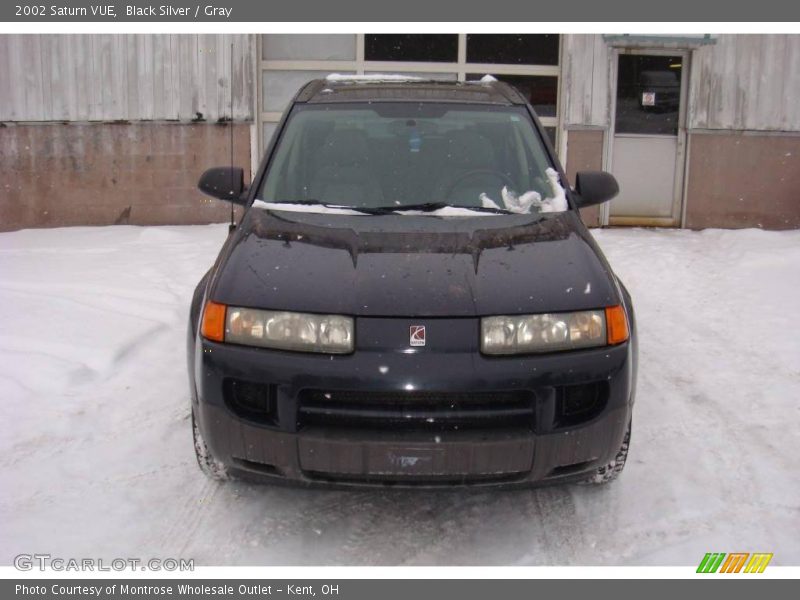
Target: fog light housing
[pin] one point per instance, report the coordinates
(251, 401)
(580, 403)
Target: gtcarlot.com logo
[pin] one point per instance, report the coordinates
(42, 562)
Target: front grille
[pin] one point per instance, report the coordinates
(416, 480)
(429, 411)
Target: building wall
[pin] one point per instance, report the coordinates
(744, 133)
(103, 129)
(585, 74)
(743, 180)
(585, 153)
(104, 173)
(746, 82)
(742, 89)
(740, 82)
(90, 109)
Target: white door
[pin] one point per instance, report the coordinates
(648, 141)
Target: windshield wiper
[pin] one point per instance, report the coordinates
(422, 206)
(388, 210)
(433, 207)
(315, 202)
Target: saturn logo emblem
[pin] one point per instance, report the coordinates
(417, 337)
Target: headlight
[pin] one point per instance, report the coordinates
(331, 334)
(551, 332)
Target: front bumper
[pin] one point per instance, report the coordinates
(541, 448)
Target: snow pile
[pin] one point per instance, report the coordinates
(531, 199)
(512, 203)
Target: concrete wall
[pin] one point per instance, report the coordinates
(100, 174)
(743, 180)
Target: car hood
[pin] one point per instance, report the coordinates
(412, 266)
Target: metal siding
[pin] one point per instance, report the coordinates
(585, 80)
(748, 82)
(601, 72)
(742, 82)
(125, 77)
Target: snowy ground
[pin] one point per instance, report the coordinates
(96, 460)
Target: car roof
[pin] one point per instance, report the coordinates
(387, 88)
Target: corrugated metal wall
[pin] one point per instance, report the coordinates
(125, 77)
(747, 82)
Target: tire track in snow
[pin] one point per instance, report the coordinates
(191, 515)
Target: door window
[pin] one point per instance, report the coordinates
(648, 94)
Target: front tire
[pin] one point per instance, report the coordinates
(612, 470)
(209, 465)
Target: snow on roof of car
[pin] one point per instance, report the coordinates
(372, 77)
(395, 87)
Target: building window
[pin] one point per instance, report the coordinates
(551, 134)
(411, 47)
(308, 46)
(648, 94)
(279, 87)
(541, 92)
(538, 49)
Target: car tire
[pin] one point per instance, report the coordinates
(209, 465)
(612, 470)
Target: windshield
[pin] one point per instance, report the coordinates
(414, 158)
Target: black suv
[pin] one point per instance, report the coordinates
(411, 298)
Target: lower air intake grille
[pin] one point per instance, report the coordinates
(417, 410)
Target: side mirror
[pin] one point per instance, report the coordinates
(595, 187)
(224, 183)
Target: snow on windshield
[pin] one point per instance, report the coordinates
(531, 199)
